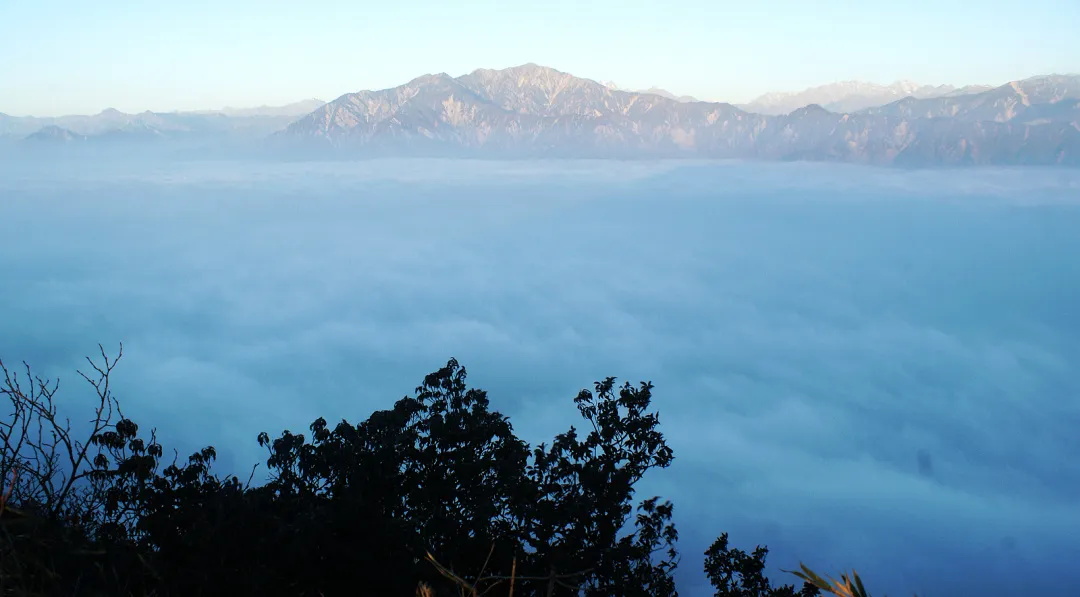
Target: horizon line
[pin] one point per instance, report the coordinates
(607, 84)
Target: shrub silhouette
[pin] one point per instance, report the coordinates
(436, 492)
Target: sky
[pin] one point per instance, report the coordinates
(75, 57)
(859, 367)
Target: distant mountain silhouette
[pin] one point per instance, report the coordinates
(654, 91)
(252, 123)
(55, 134)
(852, 96)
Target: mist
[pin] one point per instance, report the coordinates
(858, 367)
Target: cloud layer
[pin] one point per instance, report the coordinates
(856, 367)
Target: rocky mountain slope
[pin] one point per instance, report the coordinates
(1035, 100)
(533, 110)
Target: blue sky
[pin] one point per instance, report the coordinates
(72, 56)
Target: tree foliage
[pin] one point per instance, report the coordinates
(735, 573)
(436, 492)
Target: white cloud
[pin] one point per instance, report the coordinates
(817, 334)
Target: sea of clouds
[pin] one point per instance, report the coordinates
(858, 367)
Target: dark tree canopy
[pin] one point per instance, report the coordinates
(735, 573)
(436, 493)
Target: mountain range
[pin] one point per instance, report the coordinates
(533, 110)
(251, 123)
(852, 96)
(536, 111)
(654, 91)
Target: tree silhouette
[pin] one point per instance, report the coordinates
(436, 492)
(735, 573)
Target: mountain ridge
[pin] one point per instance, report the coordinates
(244, 122)
(852, 96)
(540, 111)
